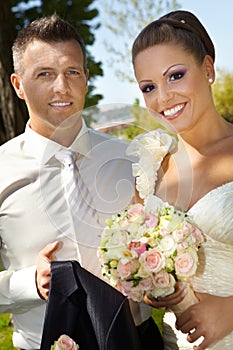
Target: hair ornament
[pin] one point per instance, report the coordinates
(178, 21)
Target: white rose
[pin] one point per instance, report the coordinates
(168, 245)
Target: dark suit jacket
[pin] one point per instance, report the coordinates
(87, 309)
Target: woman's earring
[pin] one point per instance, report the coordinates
(211, 80)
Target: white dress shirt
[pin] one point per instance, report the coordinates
(34, 212)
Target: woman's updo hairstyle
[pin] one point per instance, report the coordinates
(177, 27)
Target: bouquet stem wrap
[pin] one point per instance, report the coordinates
(189, 299)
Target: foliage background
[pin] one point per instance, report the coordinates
(83, 14)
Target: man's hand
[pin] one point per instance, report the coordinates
(46, 255)
(211, 318)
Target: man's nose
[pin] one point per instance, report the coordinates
(61, 84)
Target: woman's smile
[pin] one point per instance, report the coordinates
(174, 111)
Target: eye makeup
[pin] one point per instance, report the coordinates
(146, 88)
(176, 74)
(171, 75)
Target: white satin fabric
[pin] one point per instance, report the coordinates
(213, 214)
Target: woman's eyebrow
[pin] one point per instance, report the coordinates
(165, 72)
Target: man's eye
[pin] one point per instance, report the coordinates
(73, 72)
(176, 76)
(147, 88)
(43, 74)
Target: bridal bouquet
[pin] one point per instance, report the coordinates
(64, 343)
(145, 249)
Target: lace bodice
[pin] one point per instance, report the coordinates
(214, 217)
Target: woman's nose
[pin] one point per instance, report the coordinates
(164, 95)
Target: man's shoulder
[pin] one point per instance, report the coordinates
(107, 142)
(13, 145)
(108, 153)
(13, 160)
(102, 136)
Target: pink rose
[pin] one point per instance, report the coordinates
(186, 264)
(164, 283)
(198, 235)
(136, 294)
(162, 279)
(151, 220)
(124, 223)
(179, 235)
(65, 343)
(124, 286)
(127, 288)
(136, 209)
(152, 260)
(128, 269)
(138, 247)
(188, 229)
(146, 283)
(136, 216)
(164, 231)
(182, 246)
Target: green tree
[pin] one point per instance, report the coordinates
(143, 118)
(12, 110)
(124, 19)
(82, 14)
(223, 94)
(143, 121)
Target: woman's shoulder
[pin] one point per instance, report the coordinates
(150, 148)
(221, 159)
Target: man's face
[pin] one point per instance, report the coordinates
(53, 84)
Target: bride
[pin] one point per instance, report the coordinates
(173, 60)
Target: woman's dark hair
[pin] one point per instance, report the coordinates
(48, 29)
(178, 27)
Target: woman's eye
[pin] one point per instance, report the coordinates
(176, 76)
(147, 88)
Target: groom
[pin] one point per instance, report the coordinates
(36, 226)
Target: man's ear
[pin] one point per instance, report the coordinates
(87, 76)
(17, 84)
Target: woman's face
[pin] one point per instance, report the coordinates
(175, 87)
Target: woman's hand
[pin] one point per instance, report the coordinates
(169, 300)
(211, 318)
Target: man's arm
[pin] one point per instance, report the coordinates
(24, 289)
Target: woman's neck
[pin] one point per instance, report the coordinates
(201, 137)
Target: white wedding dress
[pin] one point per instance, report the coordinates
(213, 215)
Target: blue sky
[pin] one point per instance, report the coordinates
(216, 16)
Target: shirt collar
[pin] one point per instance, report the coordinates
(44, 149)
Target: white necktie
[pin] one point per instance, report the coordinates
(85, 218)
(77, 194)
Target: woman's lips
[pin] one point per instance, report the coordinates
(174, 111)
